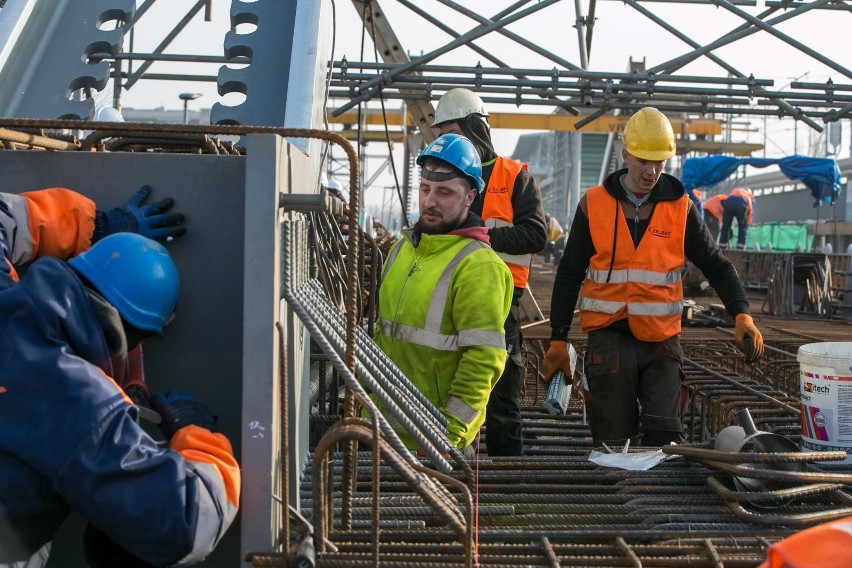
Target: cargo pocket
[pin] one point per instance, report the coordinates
(671, 349)
(601, 354)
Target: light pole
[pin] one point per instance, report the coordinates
(186, 97)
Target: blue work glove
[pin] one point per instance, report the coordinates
(150, 221)
(179, 409)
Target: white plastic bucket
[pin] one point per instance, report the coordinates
(825, 387)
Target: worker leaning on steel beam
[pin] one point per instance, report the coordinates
(445, 294)
(510, 203)
(70, 438)
(623, 259)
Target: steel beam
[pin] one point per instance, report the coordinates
(389, 47)
(52, 50)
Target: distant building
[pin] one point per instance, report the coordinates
(160, 114)
(549, 157)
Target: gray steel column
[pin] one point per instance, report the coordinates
(266, 79)
(48, 49)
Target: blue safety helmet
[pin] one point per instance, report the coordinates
(457, 151)
(136, 275)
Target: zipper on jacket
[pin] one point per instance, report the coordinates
(636, 207)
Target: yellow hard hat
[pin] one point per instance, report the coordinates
(648, 135)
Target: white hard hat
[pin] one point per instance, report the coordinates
(104, 113)
(456, 104)
(336, 189)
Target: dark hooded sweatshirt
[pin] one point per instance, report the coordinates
(529, 233)
(699, 248)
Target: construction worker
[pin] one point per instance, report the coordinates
(554, 233)
(436, 320)
(71, 441)
(623, 259)
(713, 214)
(739, 205)
(510, 203)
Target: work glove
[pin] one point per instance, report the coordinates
(556, 358)
(150, 221)
(745, 332)
(179, 409)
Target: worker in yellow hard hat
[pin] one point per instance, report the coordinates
(628, 243)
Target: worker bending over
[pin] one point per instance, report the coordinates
(71, 441)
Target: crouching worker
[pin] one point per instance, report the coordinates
(445, 294)
(71, 441)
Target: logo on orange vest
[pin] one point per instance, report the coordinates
(498, 190)
(660, 232)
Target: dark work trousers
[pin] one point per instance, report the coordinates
(712, 224)
(636, 389)
(734, 208)
(503, 429)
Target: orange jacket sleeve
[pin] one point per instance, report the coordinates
(61, 222)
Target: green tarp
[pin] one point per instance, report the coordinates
(782, 237)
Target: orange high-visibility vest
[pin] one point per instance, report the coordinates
(828, 546)
(641, 284)
(497, 211)
(714, 205)
(746, 194)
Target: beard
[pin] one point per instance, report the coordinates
(441, 227)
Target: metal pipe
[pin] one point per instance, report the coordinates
(561, 73)
(36, 141)
(373, 86)
(513, 36)
(165, 43)
(784, 37)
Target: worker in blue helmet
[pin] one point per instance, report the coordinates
(70, 439)
(437, 321)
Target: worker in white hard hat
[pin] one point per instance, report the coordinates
(510, 203)
(625, 252)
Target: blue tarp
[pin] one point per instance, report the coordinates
(820, 175)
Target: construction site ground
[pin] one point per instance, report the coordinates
(554, 507)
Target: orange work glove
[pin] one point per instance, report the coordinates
(745, 328)
(556, 358)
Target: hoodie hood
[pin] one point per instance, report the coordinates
(477, 130)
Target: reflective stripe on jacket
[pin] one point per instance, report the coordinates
(70, 439)
(442, 305)
(641, 284)
(497, 211)
(714, 205)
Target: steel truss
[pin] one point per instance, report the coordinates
(571, 86)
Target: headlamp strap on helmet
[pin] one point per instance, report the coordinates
(432, 175)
